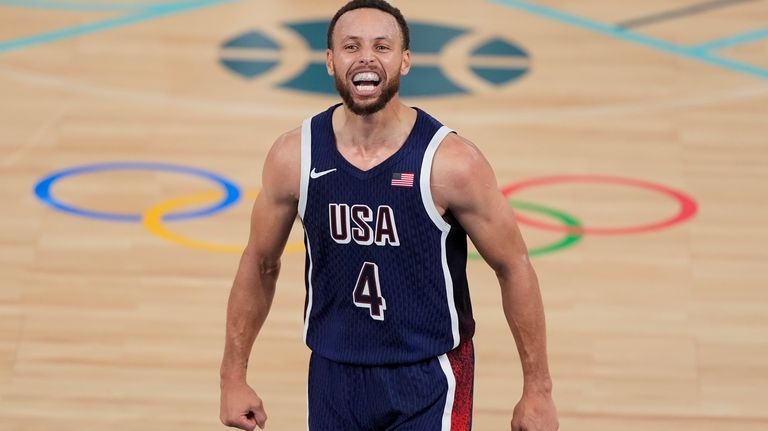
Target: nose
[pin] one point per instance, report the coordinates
(366, 56)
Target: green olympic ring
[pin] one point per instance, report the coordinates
(572, 236)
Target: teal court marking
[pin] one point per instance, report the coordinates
(637, 38)
(83, 6)
(144, 12)
(494, 60)
(424, 78)
(729, 41)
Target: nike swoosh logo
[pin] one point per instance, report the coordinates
(313, 174)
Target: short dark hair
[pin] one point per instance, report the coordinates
(372, 4)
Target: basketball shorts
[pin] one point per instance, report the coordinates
(432, 395)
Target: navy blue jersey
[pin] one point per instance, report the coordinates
(385, 273)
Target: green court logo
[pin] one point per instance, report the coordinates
(447, 60)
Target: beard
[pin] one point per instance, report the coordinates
(387, 93)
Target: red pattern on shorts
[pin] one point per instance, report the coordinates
(462, 360)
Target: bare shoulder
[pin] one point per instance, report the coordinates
(282, 168)
(286, 148)
(459, 172)
(457, 160)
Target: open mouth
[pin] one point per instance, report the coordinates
(366, 82)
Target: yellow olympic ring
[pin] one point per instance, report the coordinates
(152, 220)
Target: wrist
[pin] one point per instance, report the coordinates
(233, 368)
(228, 376)
(539, 386)
(230, 382)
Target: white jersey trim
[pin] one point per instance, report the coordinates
(450, 395)
(306, 162)
(426, 172)
(309, 291)
(437, 219)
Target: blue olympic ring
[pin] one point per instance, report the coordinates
(43, 190)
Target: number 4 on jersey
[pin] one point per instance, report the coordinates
(367, 293)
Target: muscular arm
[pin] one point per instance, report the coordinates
(464, 183)
(254, 286)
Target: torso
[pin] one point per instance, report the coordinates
(386, 279)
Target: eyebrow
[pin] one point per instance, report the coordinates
(356, 38)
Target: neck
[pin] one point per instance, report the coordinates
(382, 128)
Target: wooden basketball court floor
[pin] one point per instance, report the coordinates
(645, 122)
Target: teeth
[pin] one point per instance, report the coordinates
(366, 76)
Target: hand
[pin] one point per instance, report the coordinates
(241, 407)
(535, 412)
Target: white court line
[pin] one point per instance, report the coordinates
(492, 117)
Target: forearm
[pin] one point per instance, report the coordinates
(524, 311)
(249, 302)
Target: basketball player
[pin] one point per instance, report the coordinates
(387, 196)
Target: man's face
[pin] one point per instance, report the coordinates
(367, 59)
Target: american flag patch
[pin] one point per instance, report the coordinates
(402, 179)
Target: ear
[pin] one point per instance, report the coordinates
(329, 62)
(405, 65)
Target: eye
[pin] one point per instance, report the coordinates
(382, 48)
(350, 47)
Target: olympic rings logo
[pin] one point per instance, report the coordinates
(155, 219)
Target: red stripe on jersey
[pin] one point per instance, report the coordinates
(462, 360)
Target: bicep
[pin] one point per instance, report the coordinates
(275, 208)
(271, 222)
(491, 225)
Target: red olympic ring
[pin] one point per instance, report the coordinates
(688, 207)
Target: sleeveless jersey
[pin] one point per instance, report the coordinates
(385, 273)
